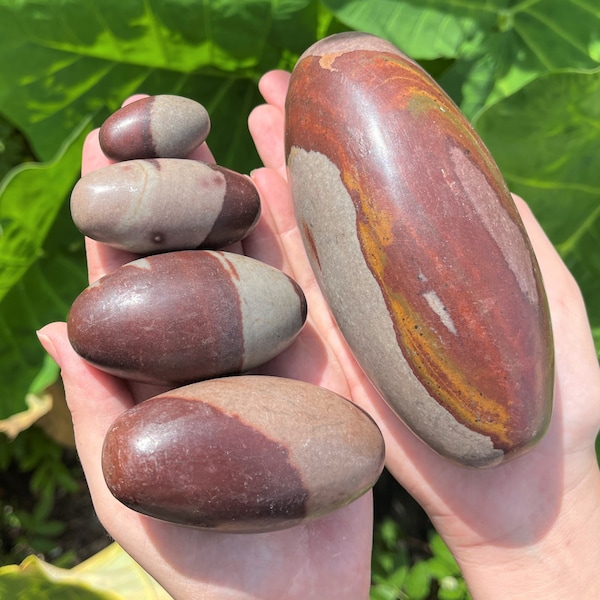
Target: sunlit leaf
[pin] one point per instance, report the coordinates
(546, 140)
(30, 198)
(109, 575)
(37, 406)
(64, 61)
(43, 294)
(499, 46)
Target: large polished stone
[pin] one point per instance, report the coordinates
(419, 249)
(242, 454)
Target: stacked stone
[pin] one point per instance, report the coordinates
(222, 450)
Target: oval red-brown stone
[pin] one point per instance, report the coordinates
(150, 206)
(163, 126)
(419, 249)
(180, 317)
(242, 454)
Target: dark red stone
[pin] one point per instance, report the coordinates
(157, 126)
(242, 454)
(184, 316)
(186, 461)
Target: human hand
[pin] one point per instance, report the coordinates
(326, 558)
(487, 517)
(504, 525)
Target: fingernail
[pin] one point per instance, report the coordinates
(48, 345)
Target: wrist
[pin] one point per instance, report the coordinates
(560, 561)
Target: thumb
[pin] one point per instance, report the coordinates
(94, 398)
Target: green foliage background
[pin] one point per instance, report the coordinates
(526, 73)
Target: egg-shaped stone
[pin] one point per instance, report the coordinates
(242, 454)
(149, 206)
(419, 249)
(163, 126)
(180, 317)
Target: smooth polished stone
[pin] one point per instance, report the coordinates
(164, 204)
(163, 126)
(419, 249)
(180, 317)
(242, 454)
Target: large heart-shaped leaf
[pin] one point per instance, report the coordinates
(64, 61)
(546, 140)
(498, 45)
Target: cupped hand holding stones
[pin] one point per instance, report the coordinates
(193, 563)
(487, 518)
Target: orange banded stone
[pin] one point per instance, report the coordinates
(419, 249)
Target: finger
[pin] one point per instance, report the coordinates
(134, 98)
(266, 125)
(273, 87)
(103, 259)
(202, 154)
(266, 122)
(94, 398)
(92, 157)
(575, 355)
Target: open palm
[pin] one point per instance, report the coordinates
(479, 512)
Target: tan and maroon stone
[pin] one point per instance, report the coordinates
(181, 317)
(164, 204)
(161, 126)
(419, 248)
(242, 454)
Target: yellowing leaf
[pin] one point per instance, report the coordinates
(111, 574)
(36, 407)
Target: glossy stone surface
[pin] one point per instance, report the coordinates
(180, 317)
(155, 127)
(242, 454)
(419, 249)
(149, 206)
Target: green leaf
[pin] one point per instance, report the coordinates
(44, 294)
(499, 46)
(426, 29)
(418, 582)
(384, 592)
(546, 140)
(441, 552)
(30, 198)
(451, 588)
(64, 61)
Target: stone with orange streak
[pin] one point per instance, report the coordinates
(419, 250)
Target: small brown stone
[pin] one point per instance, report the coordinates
(162, 126)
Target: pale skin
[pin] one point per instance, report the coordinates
(526, 529)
